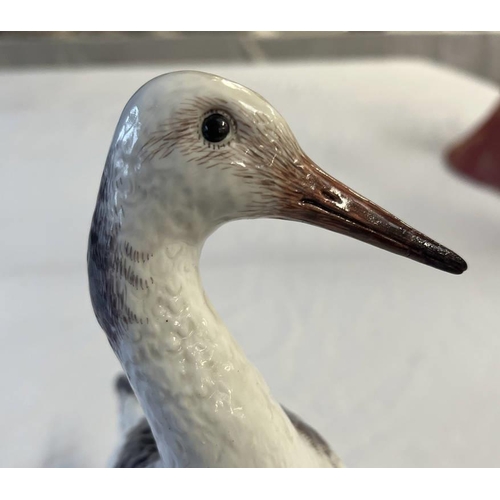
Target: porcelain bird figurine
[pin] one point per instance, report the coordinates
(191, 152)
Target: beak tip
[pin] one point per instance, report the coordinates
(440, 257)
(455, 264)
(462, 266)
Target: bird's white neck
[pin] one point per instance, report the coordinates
(206, 403)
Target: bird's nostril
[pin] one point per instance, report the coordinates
(331, 196)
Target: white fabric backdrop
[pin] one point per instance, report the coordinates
(395, 363)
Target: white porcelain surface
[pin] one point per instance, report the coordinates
(394, 363)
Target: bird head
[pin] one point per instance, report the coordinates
(193, 151)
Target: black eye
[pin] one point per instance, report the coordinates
(215, 127)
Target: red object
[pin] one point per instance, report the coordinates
(478, 155)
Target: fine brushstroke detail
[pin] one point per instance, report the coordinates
(163, 192)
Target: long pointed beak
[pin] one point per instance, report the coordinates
(320, 200)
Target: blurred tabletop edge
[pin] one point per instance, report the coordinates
(474, 52)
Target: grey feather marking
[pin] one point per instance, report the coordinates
(122, 385)
(313, 436)
(140, 449)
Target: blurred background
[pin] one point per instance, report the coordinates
(396, 364)
(475, 52)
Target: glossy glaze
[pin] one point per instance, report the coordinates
(164, 190)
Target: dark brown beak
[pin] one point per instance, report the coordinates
(323, 201)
